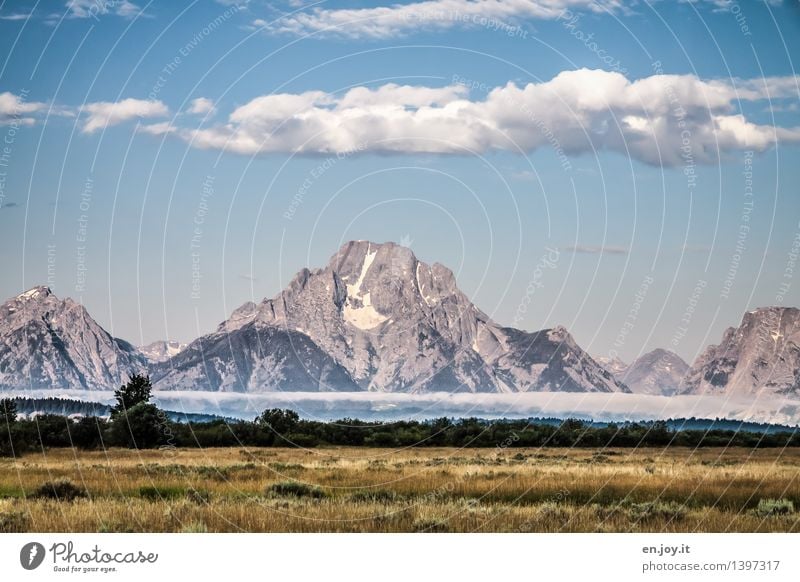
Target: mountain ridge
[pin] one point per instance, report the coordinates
(375, 318)
(394, 323)
(49, 342)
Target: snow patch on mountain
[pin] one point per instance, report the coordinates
(162, 350)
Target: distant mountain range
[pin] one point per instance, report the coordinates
(377, 319)
(659, 372)
(161, 351)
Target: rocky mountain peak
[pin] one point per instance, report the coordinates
(658, 372)
(46, 342)
(389, 322)
(35, 293)
(161, 350)
(761, 355)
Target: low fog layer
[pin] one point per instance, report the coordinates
(388, 406)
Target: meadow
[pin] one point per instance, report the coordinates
(357, 489)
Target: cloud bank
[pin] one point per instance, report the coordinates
(667, 120)
(16, 109)
(399, 19)
(105, 114)
(391, 406)
(95, 8)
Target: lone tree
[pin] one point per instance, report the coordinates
(135, 422)
(138, 390)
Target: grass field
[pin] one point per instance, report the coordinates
(412, 490)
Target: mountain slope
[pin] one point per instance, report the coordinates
(656, 372)
(49, 343)
(391, 323)
(614, 365)
(762, 355)
(253, 358)
(161, 351)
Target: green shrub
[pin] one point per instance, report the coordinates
(656, 510)
(155, 493)
(199, 496)
(284, 467)
(211, 472)
(376, 496)
(60, 490)
(770, 507)
(553, 513)
(295, 489)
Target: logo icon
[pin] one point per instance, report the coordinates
(31, 555)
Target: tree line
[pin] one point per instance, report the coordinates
(135, 422)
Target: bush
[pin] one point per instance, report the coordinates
(381, 439)
(8, 412)
(654, 510)
(13, 522)
(138, 427)
(770, 507)
(375, 496)
(199, 496)
(553, 513)
(154, 493)
(430, 526)
(60, 490)
(87, 432)
(295, 489)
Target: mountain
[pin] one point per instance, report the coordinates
(46, 342)
(761, 356)
(161, 351)
(254, 358)
(656, 372)
(376, 318)
(614, 365)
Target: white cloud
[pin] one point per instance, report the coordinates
(12, 105)
(158, 128)
(96, 8)
(399, 19)
(105, 114)
(651, 119)
(201, 106)
(16, 109)
(16, 16)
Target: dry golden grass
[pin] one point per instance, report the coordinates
(425, 489)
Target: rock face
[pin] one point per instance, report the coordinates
(761, 356)
(254, 358)
(659, 372)
(161, 351)
(614, 365)
(46, 342)
(375, 318)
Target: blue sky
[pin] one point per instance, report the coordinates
(169, 161)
